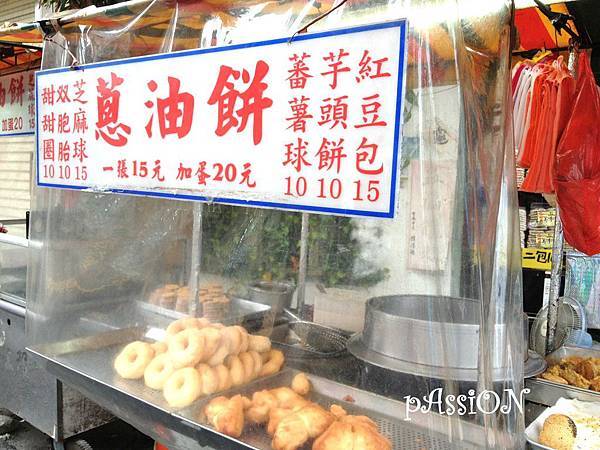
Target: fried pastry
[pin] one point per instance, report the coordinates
(595, 384)
(574, 378)
(558, 432)
(588, 369)
(554, 370)
(282, 399)
(276, 415)
(262, 402)
(555, 378)
(295, 429)
(226, 415)
(352, 433)
(301, 384)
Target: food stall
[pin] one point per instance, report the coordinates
(274, 230)
(556, 39)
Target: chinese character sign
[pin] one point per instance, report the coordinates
(536, 258)
(313, 125)
(17, 103)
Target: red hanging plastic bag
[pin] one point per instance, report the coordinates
(577, 175)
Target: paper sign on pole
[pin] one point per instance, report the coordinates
(311, 125)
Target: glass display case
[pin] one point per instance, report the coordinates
(163, 311)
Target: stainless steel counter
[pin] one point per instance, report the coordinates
(33, 393)
(87, 364)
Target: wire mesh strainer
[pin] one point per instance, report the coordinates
(301, 339)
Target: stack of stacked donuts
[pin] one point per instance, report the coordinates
(198, 358)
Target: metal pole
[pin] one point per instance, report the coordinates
(194, 307)
(557, 250)
(302, 265)
(557, 254)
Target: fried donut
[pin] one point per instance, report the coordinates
(257, 363)
(219, 356)
(183, 387)
(273, 364)
(259, 344)
(265, 356)
(223, 376)
(133, 360)
(158, 371)
(212, 340)
(210, 380)
(236, 370)
(301, 384)
(244, 341)
(248, 364)
(233, 337)
(159, 347)
(186, 348)
(182, 324)
(203, 322)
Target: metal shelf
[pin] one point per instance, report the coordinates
(86, 364)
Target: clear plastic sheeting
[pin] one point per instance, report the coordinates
(582, 281)
(431, 299)
(13, 267)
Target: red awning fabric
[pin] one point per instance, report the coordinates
(535, 31)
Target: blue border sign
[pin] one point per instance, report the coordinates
(188, 194)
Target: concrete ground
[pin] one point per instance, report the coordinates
(25, 437)
(114, 436)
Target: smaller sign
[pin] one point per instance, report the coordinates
(17, 103)
(536, 258)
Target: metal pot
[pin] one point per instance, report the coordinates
(430, 336)
(278, 295)
(429, 330)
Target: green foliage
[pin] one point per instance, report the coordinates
(250, 244)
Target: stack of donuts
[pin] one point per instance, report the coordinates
(198, 358)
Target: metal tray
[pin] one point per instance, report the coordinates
(145, 306)
(241, 311)
(239, 308)
(566, 351)
(388, 414)
(93, 358)
(547, 393)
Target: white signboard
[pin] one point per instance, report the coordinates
(310, 125)
(17, 104)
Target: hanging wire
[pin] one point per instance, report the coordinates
(74, 63)
(304, 29)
